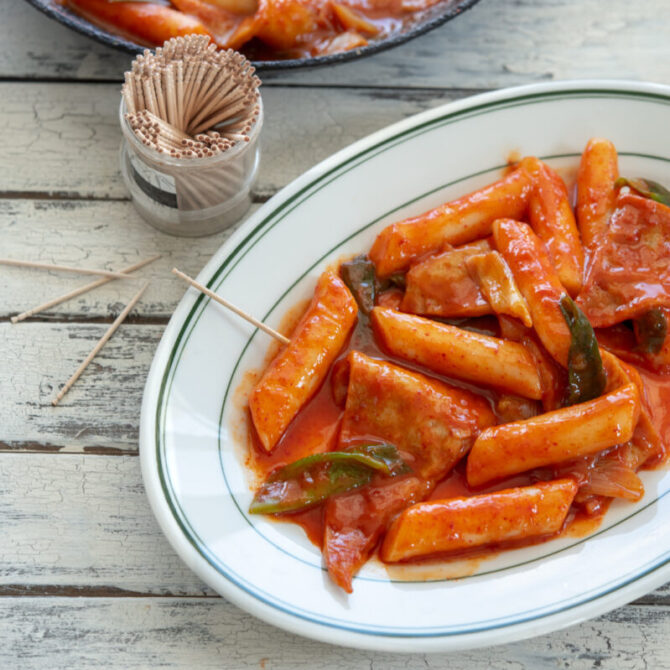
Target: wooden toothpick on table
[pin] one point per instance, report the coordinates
(79, 291)
(222, 301)
(63, 268)
(101, 343)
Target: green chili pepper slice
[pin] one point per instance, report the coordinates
(359, 275)
(586, 375)
(650, 330)
(311, 480)
(646, 187)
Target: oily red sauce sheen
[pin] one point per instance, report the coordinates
(658, 395)
(316, 428)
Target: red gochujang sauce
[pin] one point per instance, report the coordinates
(658, 397)
(316, 429)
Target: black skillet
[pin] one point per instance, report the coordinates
(422, 22)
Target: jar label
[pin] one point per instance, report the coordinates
(159, 186)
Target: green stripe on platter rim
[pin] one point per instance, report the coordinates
(259, 231)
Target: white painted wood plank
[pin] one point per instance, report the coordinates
(64, 138)
(103, 407)
(83, 521)
(107, 234)
(133, 633)
(497, 43)
(61, 138)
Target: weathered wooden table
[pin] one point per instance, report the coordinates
(86, 578)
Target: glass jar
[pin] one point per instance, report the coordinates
(190, 196)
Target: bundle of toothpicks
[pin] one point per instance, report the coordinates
(189, 100)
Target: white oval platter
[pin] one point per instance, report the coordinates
(192, 429)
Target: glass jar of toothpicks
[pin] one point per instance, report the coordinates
(191, 118)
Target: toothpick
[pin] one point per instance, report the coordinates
(63, 268)
(219, 117)
(160, 92)
(101, 343)
(149, 95)
(233, 308)
(178, 84)
(79, 291)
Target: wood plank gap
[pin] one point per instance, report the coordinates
(372, 88)
(73, 591)
(61, 317)
(28, 79)
(32, 447)
(257, 197)
(260, 197)
(102, 591)
(653, 599)
(268, 83)
(83, 591)
(57, 195)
